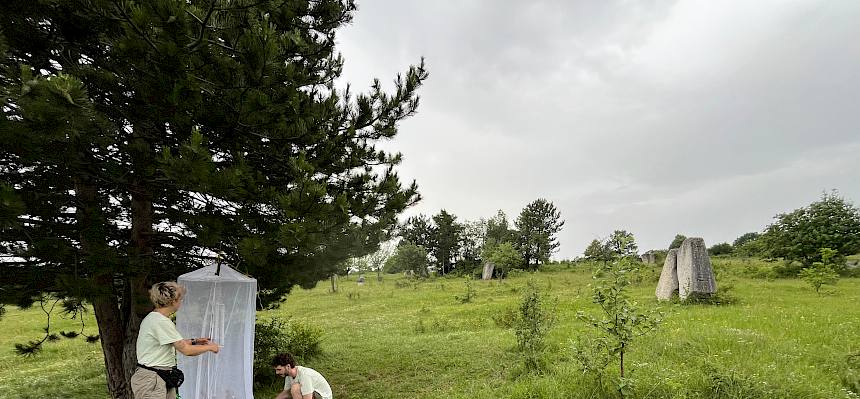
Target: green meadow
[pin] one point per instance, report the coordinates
(401, 338)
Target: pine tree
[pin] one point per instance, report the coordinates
(537, 225)
(140, 137)
(446, 237)
(418, 230)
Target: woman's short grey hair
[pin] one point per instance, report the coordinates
(166, 293)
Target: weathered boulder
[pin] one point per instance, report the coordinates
(488, 271)
(695, 275)
(668, 283)
(648, 257)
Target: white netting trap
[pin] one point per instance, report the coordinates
(220, 306)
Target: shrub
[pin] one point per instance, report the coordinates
(850, 376)
(506, 318)
(276, 335)
(621, 321)
(788, 268)
(535, 318)
(821, 273)
(818, 275)
(470, 293)
(427, 323)
(832, 222)
(720, 249)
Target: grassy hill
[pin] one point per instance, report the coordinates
(413, 339)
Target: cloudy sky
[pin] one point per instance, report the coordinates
(698, 117)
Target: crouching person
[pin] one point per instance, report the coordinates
(302, 382)
(156, 376)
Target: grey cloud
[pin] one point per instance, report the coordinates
(700, 117)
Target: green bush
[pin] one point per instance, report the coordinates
(788, 269)
(535, 317)
(850, 376)
(621, 321)
(506, 318)
(470, 293)
(276, 335)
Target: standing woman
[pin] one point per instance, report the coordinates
(156, 376)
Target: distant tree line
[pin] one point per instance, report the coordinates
(830, 225)
(444, 244)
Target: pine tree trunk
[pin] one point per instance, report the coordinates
(136, 305)
(140, 306)
(112, 337)
(105, 304)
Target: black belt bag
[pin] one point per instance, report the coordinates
(173, 378)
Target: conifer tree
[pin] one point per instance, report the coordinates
(138, 138)
(537, 226)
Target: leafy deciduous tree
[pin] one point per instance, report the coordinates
(821, 273)
(677, 241)
(745, 238)
(408, 257)
(505, 257)
(831, 222)
(499, 230)
(598, 251)
(621, 320)
(720, 249)
(621, 243)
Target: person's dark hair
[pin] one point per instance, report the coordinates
(284, 359)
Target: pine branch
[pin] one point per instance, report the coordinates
(139, 32)
(34, 347)
(193, 45)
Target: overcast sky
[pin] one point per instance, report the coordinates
(704, 118)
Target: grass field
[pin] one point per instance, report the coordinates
(779, 339)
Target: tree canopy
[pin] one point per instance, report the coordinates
(622, 243)
(745, 238)
(139, 138)
(446, 237)
(831, 222)
(408, 257)
(598, 251)
(677, 241)
(537, 226)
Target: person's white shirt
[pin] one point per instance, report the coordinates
(311, 381)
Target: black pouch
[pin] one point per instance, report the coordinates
(173, 378)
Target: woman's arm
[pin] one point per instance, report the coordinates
(184, 347)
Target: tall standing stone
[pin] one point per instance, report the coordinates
(488, 271)
(695, 275)
(648, 257)
(668, 277)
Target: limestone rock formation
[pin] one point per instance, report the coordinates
(668, 277)
(648, 257)
(488, 271)
(695, 275)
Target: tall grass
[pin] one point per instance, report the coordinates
(777, 339)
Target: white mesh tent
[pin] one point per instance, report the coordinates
(219, 304)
